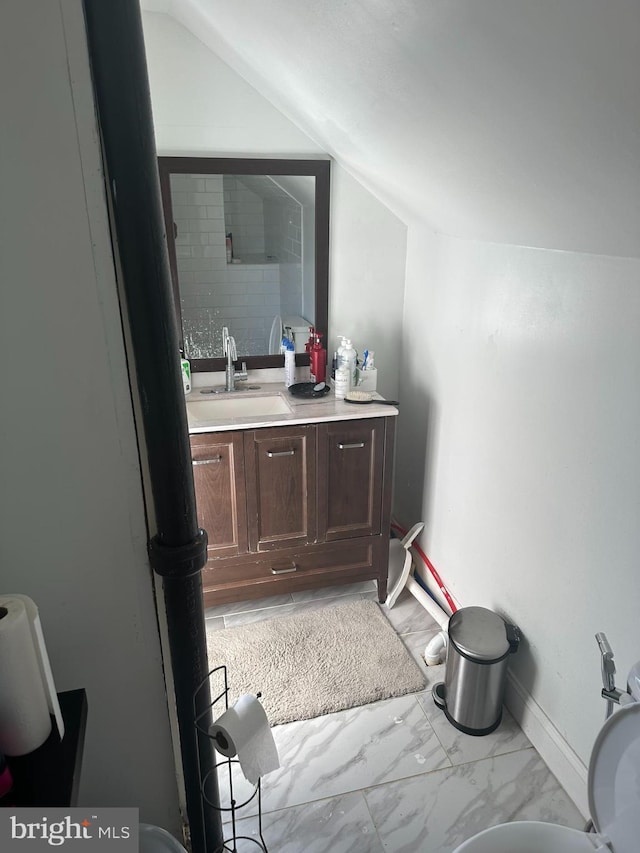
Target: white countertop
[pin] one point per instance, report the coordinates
(303, 410)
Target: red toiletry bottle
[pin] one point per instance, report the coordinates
(318, 360)
(309, 343)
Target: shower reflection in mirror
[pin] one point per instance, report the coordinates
(243, 256)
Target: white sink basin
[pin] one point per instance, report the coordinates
(202, 412)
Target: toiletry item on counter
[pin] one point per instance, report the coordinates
(318, 360)
(342, 382)
(340, 350)
(364, 397)
(368, 360)
(289, 350)
(309, 389)
(229, 245)
(186, 373)
(367, 373)
(334, 365)
(347, 357)
(367, 379)
(310, 342)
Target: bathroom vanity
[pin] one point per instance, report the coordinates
(291, 500)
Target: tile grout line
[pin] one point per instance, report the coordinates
(444, 748)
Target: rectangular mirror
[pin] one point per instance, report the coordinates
(248, 244)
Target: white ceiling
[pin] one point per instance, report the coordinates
(509, 121)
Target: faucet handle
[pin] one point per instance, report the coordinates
(242, 375)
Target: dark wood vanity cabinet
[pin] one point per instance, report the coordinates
(293, 508)
(218, 474)
(280, 465)
(351, 461)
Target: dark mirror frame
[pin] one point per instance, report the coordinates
(320, 169)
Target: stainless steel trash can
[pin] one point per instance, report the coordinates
(480, 643)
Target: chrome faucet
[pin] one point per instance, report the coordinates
(229, 350)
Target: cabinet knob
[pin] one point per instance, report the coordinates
(272, 453)
(350, 446)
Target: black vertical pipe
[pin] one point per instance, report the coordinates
(178, 551)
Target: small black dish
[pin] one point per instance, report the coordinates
(308, 389)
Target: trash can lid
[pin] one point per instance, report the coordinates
(479, 633)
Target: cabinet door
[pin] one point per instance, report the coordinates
(218, 474)
(281, 486)
(350, 469)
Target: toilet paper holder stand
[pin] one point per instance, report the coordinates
(201, 723)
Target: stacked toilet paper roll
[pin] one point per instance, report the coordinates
(27, 692)
(243, 730)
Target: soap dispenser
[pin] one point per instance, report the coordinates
(309, 344)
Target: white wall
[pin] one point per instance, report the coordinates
(518, 446)
(366, 285)
(506, 120)
(200, 105)
(72, 526)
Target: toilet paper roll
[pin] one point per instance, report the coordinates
(27, 695)
(243, 730)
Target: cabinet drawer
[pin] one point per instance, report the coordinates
(298, 568)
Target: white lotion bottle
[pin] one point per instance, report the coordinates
(341, 383)
(349, 359)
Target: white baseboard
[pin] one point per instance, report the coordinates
(563, 762)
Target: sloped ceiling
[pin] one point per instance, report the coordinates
(509, 121)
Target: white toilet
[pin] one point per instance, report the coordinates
(614, 802)
(154, 839)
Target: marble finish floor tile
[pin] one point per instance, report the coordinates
(436, 812)
(416, 643)
(348, 751)
(214, 623)
(340, 824)
(333, 591)
(408, 615)
(461, 748)
(369, 595)
(250, 616)
(244, 606)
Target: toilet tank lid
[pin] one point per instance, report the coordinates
(298, 324)
(614, 779)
